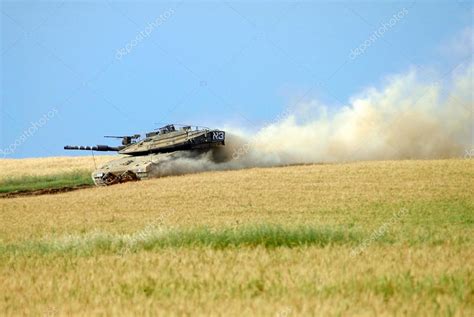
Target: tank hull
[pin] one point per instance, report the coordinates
(127, 168)
(135, 168)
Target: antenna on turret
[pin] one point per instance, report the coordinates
(93, 157)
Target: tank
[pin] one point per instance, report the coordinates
(139, 156)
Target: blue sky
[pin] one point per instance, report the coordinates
(206, 63)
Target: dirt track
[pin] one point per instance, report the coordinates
(47, 191)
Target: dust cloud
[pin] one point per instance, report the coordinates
(408, 118)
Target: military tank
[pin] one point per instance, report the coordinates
(140, 156)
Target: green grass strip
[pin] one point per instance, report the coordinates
(155, 238)
(31, 183)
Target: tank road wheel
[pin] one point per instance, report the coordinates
(110, 179)
(128, 176)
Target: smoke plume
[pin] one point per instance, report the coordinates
(409, 118)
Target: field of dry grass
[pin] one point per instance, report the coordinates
(49, 165)
(98, 250)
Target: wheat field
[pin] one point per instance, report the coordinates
(362, 238)
(51, 165)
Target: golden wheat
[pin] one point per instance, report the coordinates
(305, 281)
(421, 264)
(365, 194)
(48, 166)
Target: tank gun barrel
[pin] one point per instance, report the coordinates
(98, 148)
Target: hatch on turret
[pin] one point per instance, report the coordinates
(167, 129)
